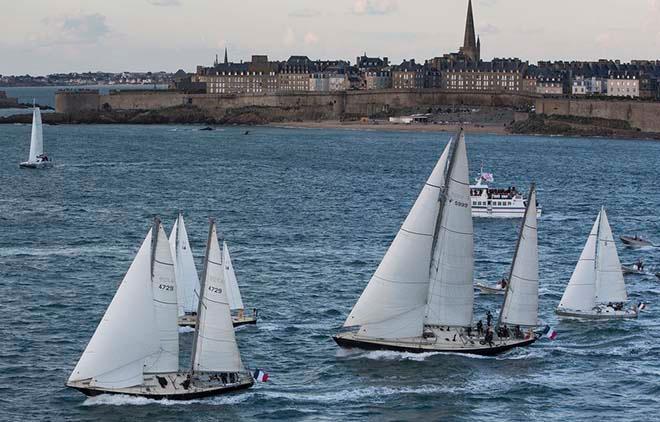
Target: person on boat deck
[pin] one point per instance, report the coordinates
(489, 318)
(488, 339)
(517, 332)
(503, 283)
(240, 313)
(480, 328)
(639, 264)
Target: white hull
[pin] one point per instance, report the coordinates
(500, 212)
(598, 313)
(490, 290)
(174, 386)
(37, 165)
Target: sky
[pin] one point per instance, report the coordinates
(38, 37)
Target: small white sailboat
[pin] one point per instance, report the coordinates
(187, 281)
(596, 288)
(37, 158)
(420, 299)
(142, 359)
(234, 293)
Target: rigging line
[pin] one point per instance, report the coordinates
(164, 263)
(457, 232)
(417, 233)
(400, 282)
(216, 263)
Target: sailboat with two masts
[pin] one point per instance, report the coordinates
(420, 299)
(142, 358)
(597, 289)
(37, 158)
(188, 283)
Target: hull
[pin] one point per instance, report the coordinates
(174, 390)
(635, 243)
(191, 320)
(352, 340)
(41, 165)
(631, 270)
(608, 313)
(501, 212)
(489, 290)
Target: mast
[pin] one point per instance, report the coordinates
(154, 241)
(201, 293)
(530, 197)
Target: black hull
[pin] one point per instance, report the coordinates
(185, 396)
(241, 323)
(365, 345)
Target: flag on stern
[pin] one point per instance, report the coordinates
(260, 375)
(641, 306)
(549, 332)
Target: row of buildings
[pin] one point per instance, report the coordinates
(460, 71)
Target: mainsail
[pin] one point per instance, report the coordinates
(610, 286)
(37, 138)
(521, 300)
(394, 302)
(187, 280)
(127, 335)
(451, 291)
(580, 293)
(233, 293)
(163, 286)
(214, 347)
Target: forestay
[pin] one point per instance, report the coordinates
(127, 335)
(163, 286)
(233, 292)
(580, 294)
(610, 286)
(393, 304)
(215, 347)
(187, 280)
(37, 138)
(451, 291)
(521, 299)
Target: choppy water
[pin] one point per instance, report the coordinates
(308, 215)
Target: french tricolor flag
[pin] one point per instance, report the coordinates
(260, 375)
(550, 332)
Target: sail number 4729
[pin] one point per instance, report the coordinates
(166, 287)
(215, 289)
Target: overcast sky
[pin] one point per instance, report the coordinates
(46, 36)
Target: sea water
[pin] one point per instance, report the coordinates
(308, 214)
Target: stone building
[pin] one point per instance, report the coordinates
(256, 77)
(623, 85)
(408, 75)
(378, 79)
(497, 75)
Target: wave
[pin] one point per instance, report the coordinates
(124, 400)
(353, 395)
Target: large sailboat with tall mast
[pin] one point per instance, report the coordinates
(597, 289)
(142, 359)
(420, 299)
(37, 158)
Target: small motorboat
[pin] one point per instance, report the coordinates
(636, 268)
(635, 241)
(494, 289)
(207, 128)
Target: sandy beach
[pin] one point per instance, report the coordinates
(386, 126)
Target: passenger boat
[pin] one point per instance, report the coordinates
(420, 299)
(491, 202)
(635, 241)
(135, 348)
(596, 289)
(37, 159)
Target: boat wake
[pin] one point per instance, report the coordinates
(123, 400)
(355, 395)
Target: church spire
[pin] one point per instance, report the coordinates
(469, 42)
(226, 59)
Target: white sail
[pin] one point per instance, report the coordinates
(451, 291)
(163, 286)
(37, 138)
(127, 335)
(580, 294)
(233, 293)
(521, 301)
(393, 303)
(610, 286)
(187, 280)
(215, 346)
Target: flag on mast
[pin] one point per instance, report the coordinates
(260, 375)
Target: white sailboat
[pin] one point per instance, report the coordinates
(420, 299)
(596, 288)
(37, 158)
(142, 359)
(234, 293)
(187, 281)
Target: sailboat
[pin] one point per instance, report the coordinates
(234, 293)
(187, 281)
(420, 299)
(596, 288)
(142, 359)
(37, 158)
